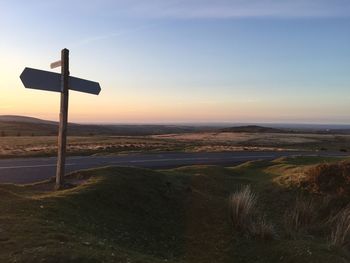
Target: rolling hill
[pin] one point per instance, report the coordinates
(125, 214)
(24, 119)
(11, 125)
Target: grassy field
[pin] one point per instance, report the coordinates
(19, 146)
(288, 141)
(79, 145)
(119, 214)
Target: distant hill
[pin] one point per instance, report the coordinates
(23, 119)
(27, 126)
(253, 129)
(11, 125)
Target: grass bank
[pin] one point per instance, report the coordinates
(120, 214)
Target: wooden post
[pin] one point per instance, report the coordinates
(62, 133)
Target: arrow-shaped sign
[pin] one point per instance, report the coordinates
(51, 81)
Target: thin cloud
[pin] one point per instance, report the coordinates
(225, 9)
(90, 40)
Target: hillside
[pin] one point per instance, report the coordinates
(11, 125)
(138, 215)
(23, 119)
(27, 126)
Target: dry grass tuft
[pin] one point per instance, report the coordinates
(244, 216)
(242, 205)
(300, 216)
(340, 235)
(262, 229)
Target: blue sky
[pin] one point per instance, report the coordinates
(183, 61)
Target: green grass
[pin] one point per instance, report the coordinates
(139, 215)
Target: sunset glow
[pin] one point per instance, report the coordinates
(222, 62)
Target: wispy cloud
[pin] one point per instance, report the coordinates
(125, 32)
(209, 9)
(225, 9)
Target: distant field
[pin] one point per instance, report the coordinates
(276, 141)
(47, 145)
(25, 136)
(17, 146)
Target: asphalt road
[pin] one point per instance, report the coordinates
(29, 170)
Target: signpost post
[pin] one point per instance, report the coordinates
(45, 80)
(62, 131)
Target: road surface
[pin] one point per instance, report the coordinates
(29, 170)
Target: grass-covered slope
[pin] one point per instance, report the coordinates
(137, 215)
(11, 125)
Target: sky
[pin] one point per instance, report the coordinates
(182, 61)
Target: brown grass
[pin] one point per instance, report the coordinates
(262, 229)
(340, 235)
(329, 178)
(244, 215)
(242, 205)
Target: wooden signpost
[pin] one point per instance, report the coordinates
(50, 81)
